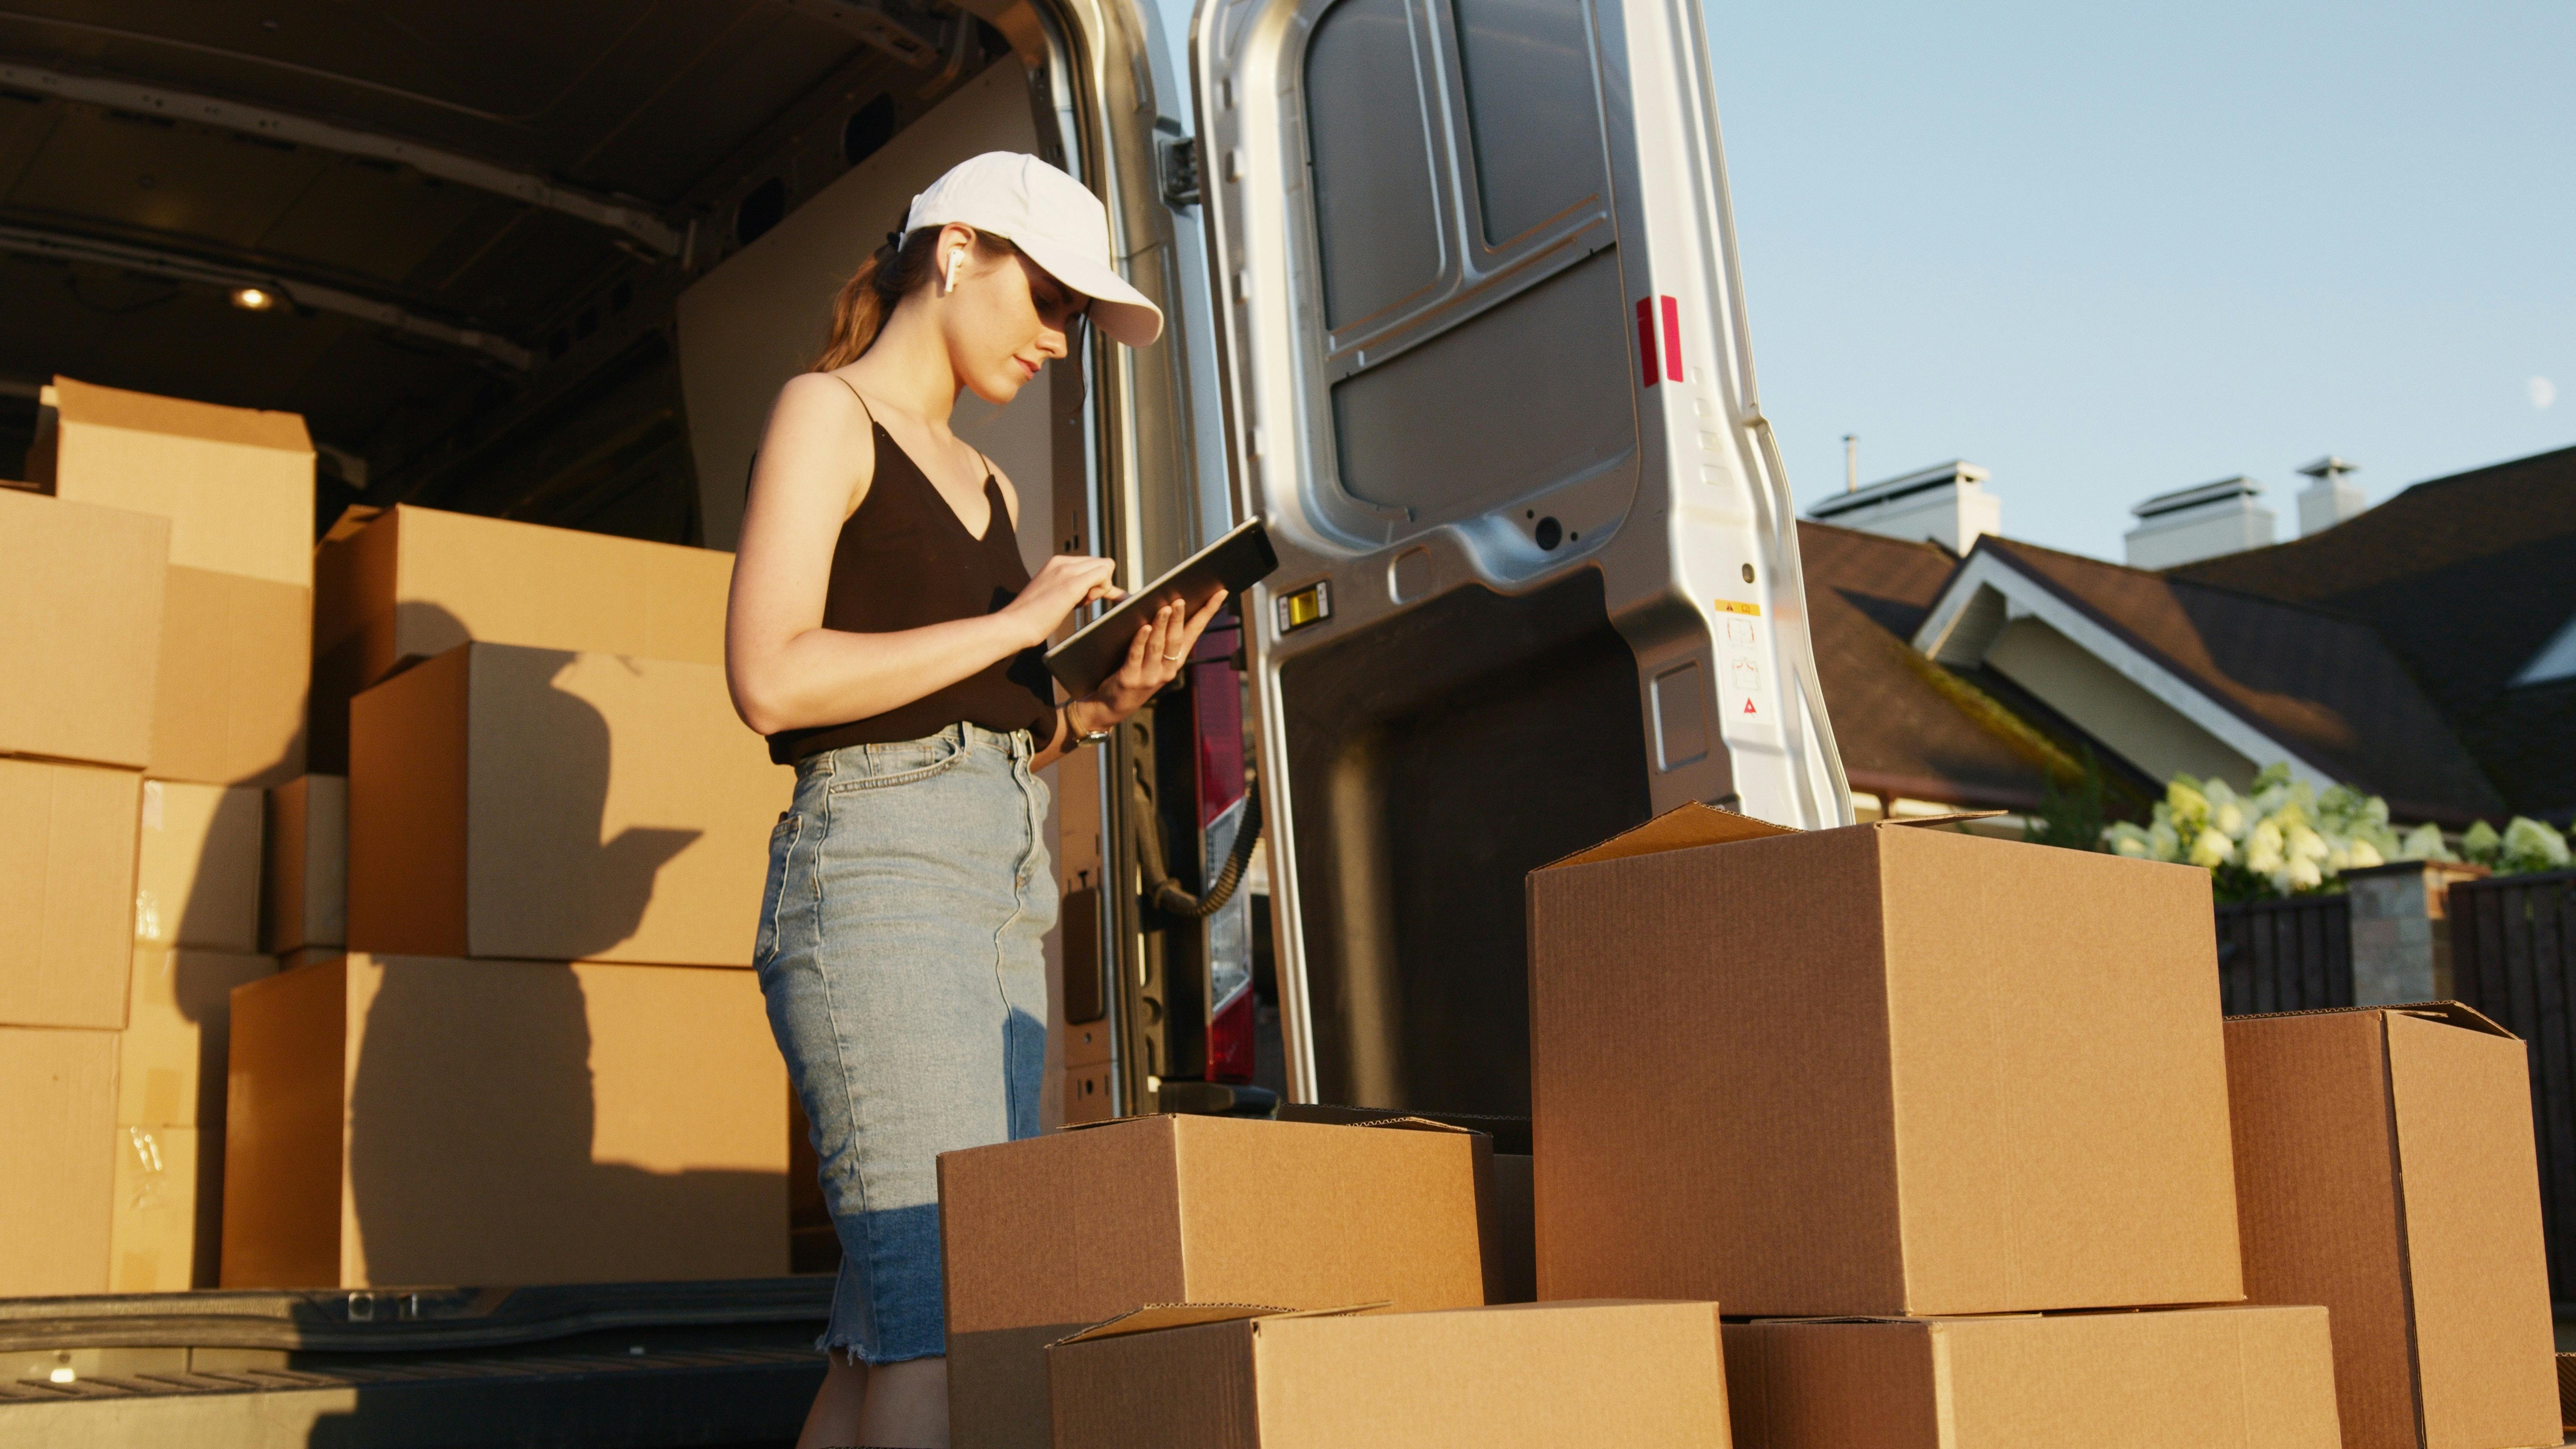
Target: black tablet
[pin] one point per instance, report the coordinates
(1233, 563)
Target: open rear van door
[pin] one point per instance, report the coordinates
(1486, 375)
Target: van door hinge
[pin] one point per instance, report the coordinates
(1179, 156)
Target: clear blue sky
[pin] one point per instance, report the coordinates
(2110, 250)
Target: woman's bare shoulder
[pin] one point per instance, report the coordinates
(819, 443)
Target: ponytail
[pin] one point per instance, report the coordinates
(892, 272)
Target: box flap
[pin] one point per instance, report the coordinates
(1419, 1124)
(1955, 817)
(1679, 828)
(1155, 1317)
(2449, 1013)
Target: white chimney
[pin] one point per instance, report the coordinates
(1942, 503)
(2197, 523)
(2329, 500)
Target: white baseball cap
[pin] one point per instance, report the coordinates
(1053, 220)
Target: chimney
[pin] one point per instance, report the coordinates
(1941, 503)
(2329, 500)
(2197, 523)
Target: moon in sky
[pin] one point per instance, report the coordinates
(2543, 392)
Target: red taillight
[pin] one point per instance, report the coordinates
(1229, 1039)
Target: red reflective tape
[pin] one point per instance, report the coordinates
(1672, 339)
(1646, 338)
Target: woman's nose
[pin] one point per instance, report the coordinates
(1051, 342)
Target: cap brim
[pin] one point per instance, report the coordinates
(1120, 311)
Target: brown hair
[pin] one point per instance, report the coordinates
(891, 272)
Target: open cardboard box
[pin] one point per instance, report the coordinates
(1523, 1376)
(1890, 1069)
(2384, 1168)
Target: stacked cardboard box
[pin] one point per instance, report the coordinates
(515, 1042)
(1891, 1080)
(150, 665)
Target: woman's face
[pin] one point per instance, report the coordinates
(1006, 319)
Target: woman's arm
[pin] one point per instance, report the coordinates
(785, 670)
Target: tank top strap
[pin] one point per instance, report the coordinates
(863, 400)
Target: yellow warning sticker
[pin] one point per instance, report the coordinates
(1729, 606)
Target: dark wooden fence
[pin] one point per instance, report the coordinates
(2293, 955)
(2513, 953)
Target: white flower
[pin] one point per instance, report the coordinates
(2303, 844)
(2304, 874)
(2211, 849)
(2230, 817)
(2263, 849)
(2362, 855)
(2529, 845)
(2164, 841)
(2127, 839)
(2424, 842)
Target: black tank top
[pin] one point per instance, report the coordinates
(904, 560)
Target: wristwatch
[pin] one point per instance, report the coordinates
(1092, 738)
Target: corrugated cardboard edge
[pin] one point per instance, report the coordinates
(2450, 1013)
(1693, 824)
(1399, 1122)
(1155, 1317)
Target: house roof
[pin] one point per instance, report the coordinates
(2466, 579)
(2320, 683)
(1905, 726)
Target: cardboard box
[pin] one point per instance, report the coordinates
(196, 868)
(1505, 1211)
(235, 483)
(2384, 1168)
(66, 893)
(417, 582)
(402, 1120)
(1048, 1235)
(1546, 1376)
(304, 875)
(533, 804)
(236, 653)
(163, 1229)
(56, 1160)
(1892, 1069)
(80, 629)
(2209, 1378)
(171, 1055)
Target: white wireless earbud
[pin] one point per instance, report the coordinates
(954, 258)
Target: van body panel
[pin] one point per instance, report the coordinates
(1484, 372)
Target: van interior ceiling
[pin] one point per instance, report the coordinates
(453, 236)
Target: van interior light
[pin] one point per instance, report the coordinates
(254, 299)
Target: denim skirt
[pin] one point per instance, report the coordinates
(900, 953)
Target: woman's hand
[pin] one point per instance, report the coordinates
(1065, 583)
(1161, 647)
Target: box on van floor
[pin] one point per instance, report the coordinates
(304, 869)
(534, 804)
(1525, 1376)
(80, 629)
(2384, 1168)
(406, 1120)
(236, 657)
(66, 893)
(57, 1164)
(196, 866)
(1889, 1069)
(165, 1220)
(171, 1057)
(413, 583)
(235, 483)
(2209, 1378)
(1048, 1235)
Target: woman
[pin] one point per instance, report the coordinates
(885, 636)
